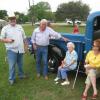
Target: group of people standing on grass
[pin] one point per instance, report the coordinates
(15, 41)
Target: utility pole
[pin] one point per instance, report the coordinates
(29, 3)
(32, 18)
(33, 14)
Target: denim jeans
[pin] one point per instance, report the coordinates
(42, 55)
(62, 73)
(13, 59)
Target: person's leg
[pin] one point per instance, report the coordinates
(45, 60)
(12, 58)
(88, 85)
(59, 72)
(93, 81)
(38, 60)
(20, 65)
(64, 74)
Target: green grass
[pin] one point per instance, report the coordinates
(65, 29)
(33, 88)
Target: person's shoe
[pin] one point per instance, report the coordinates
(38, 75)
(46, 78)
(65, 83)
(56, 82)
(11, 82)
(94, 97)
(56, 79)
(23, 77)
(84, 97)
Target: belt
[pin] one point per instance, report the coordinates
(41, 46)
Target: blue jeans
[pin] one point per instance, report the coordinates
(13, 59)
(42, 55)
(62, 73)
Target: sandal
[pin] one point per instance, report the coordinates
(84, 97)
(94, 97)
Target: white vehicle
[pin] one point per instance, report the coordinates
(68, 21)
(37, 23)
(77, 21)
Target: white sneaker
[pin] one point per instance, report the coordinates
(56, 82)
(65, 83)
(56, 79)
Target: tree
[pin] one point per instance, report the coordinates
(3, 14)
(41, 10)
(72, 10)
(21, 18)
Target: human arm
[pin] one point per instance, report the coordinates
(33, 40)
(56, 34)
(3, 37)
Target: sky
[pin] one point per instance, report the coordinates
(22, 5)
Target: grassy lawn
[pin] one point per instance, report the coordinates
(66, 29)
(33, 88)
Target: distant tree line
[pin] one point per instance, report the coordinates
(71, 10)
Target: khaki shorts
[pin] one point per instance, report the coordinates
(91, 73)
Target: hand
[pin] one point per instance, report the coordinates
(87, 66)
(9, 40)
(63, 63)
(65, 39)
(34, 46)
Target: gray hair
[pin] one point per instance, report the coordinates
(43, 21)
(71, 44)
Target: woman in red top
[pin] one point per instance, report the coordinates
(76, 30)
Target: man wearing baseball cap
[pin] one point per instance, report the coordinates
(14, 38)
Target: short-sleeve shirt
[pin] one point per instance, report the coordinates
(17, 34)
(70, 57)
(92, 59)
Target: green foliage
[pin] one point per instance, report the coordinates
(3, 14)
(41, 10)
(21, 18)
(72, 10)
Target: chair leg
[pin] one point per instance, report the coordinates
(75, 77)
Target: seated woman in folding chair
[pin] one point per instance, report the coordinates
(69, 63)
(92, 63)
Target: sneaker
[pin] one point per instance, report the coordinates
(56, 82)
(38, 75)
(46, 78)
(56, 79)
(65, 83)
(11, 82)
(23, 77)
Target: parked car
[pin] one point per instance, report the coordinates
(77, 21)
(37, 23)
(68, 21)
